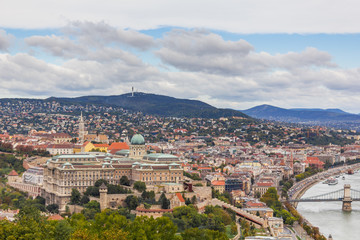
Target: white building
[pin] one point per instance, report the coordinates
(56, 149)
(34, 176)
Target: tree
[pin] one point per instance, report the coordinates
(91, 209)
(99, 182)
(147, 206)
(140, 186)
(63, 230)
(126, 212)
(92, 191)
(233, 228)
(84, 200)
(40, 200)
(204, 234)
(117, 189)
(165, 203)
(93, 205)
(67, 210)
(132, 202)
(148, 195)
(75, 196)
(53, 208)
(124, 181)
(194, 200)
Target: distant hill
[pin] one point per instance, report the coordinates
(301, 115)
(156, 105)
(336, 110)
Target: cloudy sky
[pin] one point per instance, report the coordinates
(234, 54)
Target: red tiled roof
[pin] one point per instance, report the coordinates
(56, 217)
(87, 166)
(185, 164)
(121, 166)
(314, 160)
(204, 168)
(255, 204)
(180, 197)
(118, 145)
(160, 167)
(265, 184)
(153, 210)
(218, 183)
(13, 173)
(101, 145)
(60, 145)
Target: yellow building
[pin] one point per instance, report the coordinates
(87, 147)
(218, 186)
(77, 148)
(101, 147)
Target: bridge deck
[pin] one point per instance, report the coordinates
(338, 195)
(322, 200)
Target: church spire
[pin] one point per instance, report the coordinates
(81, 130)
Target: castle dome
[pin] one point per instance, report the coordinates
(137, 139)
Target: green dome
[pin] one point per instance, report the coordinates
(137, 139)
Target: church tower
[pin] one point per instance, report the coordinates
(81, 130)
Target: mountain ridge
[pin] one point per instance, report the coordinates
(154, 104)
(301, 115)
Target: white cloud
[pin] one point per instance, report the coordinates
(5, 40)
(100, 33)
(25, 75)
(203, 66)
(208, 52)
(57, 46)
(246, 16)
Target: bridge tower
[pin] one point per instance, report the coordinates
(347, 199)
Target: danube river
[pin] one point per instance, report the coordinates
(328, 216)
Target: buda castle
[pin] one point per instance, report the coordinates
(62, 173)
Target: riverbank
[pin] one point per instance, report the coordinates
(300, 188)
(328, 216)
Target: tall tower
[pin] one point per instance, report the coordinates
(81, 130)
(103, 196)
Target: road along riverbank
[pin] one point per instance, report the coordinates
(329, 216)
(300, 188)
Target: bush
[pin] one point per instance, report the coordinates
(140, 186)
(84, 200)
(99, 182)
(53, 208)
(75, 196)
(124, 181)
(131, 202)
